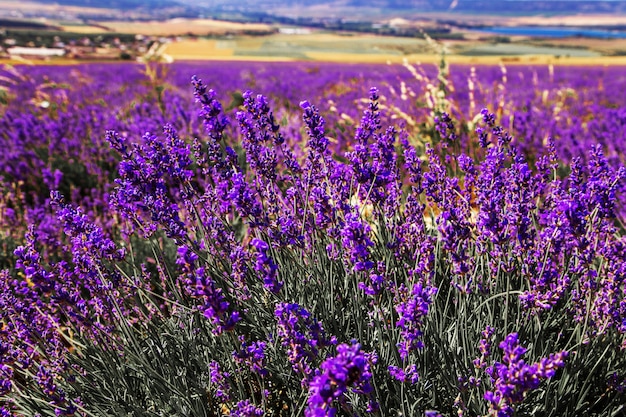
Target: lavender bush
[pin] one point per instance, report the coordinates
(268, 268)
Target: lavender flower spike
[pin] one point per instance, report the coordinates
(349, 369)
(513, 378)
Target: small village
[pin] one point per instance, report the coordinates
(81, 47)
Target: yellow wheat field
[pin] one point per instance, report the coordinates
(184, 27)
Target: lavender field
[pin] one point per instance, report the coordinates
(285, 239)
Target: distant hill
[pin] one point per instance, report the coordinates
(540, 7)
(463, 6)
(25, 24)
(270, 7)
(116, 4)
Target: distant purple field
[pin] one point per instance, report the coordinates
(575, 105)
(60, 113)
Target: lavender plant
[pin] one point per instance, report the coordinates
(249, 277)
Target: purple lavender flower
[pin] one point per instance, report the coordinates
(412, 308)
(397, 373)
(5, 411)
(301, 335)
(215, 122)
(412, 164)
(484, 347)
(357, 242)
(603, 183)
(319, 165)
(322, 207)
(215, 307)
(490, 192)
(220, 385)
(513, 378)
(318, 142)
(359, 158)
(409, 373)
(482, 137)
(261, 158)
(6, 372)
(350, 369)
(259, 127)
(28, 259)
(90, 246)
(617, 383)
(454, 221)
(385, 189)
(239, 258)
(45, 378)
(445, 126)
(370, 122)
(243, 198)
(52, 179)
(266, 266)
(245, 408)
(521, 196)
(251, 354)
(149, 176)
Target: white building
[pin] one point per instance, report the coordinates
(38, 52)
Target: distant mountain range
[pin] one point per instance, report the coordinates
(461, 6)
(466, 6)
(116, 4)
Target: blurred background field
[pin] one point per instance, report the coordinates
(576, 33)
